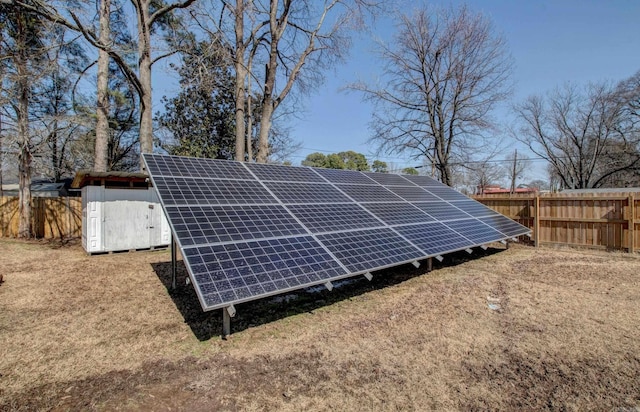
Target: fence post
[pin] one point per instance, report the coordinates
(536, 219)
(632, 222)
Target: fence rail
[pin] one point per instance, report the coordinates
(52, 217)
(591, 220)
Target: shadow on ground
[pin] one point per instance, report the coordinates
(206, 325)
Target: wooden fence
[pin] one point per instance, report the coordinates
(598, 221)
(53, 217)
(606, 221)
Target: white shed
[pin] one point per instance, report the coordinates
(120, 211)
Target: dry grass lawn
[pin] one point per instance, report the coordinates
(82, 332)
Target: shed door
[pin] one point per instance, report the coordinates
(127, 223)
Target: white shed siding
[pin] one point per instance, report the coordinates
(117, 219)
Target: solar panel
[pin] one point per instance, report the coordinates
(294, 192)
(284, 174)
(193, 167)
(239, 271)
(364, 193)
(446, 193)
(334, 217)
(345, 176)
(474, 230)
(413, 193)
(474, 208)
(503, 224)
(198, 191)
(433, 238)
(248, 231)
(360, 250)
(441, 210)
(397, 213)
(422, 180)
(219, 224)
(388, 179)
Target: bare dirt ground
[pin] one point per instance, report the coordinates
(522, 328)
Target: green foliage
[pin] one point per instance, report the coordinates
(349, 160)
(354, 161)
(315, 160)
(410, 171)
(201, 117)
(379, 166)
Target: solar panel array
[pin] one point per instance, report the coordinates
(250, 230)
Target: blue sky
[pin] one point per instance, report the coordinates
(551, 42)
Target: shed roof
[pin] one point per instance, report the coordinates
(89, 177)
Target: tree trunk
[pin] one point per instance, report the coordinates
(249, 125)
(513, 172)
(55, 161)
(265, 126)
(241, 75)
(24, 156)
(102, 112)
(144, 51)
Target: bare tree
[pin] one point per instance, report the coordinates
(483, 174)
(443, 74)
(583, 134)
(23, 49)
(150, 17)
(516, 168)
(279, 47)
(102, 110)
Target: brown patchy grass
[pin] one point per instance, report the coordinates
(104, 333)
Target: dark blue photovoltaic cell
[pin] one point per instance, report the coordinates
(364, 193)
(365, 249)
(505, 225)
(345, 176)
(197, 191)
(334, 217)
(474, 230)
(253, 230)
(413, 193)
(291, 192)
(248, 270)
(441, 211)
(158, 165)
(474, 208)
(201, 225)
(278, 173)
(397, 213)
(433, 238)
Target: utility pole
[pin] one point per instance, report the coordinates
(513, 172)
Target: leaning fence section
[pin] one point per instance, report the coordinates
(51, 217)
(609, 221)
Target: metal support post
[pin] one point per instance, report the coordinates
(429, 264)
(227, 314)
(174, 263)
(226, 324)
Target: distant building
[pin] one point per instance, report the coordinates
(38, 189)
